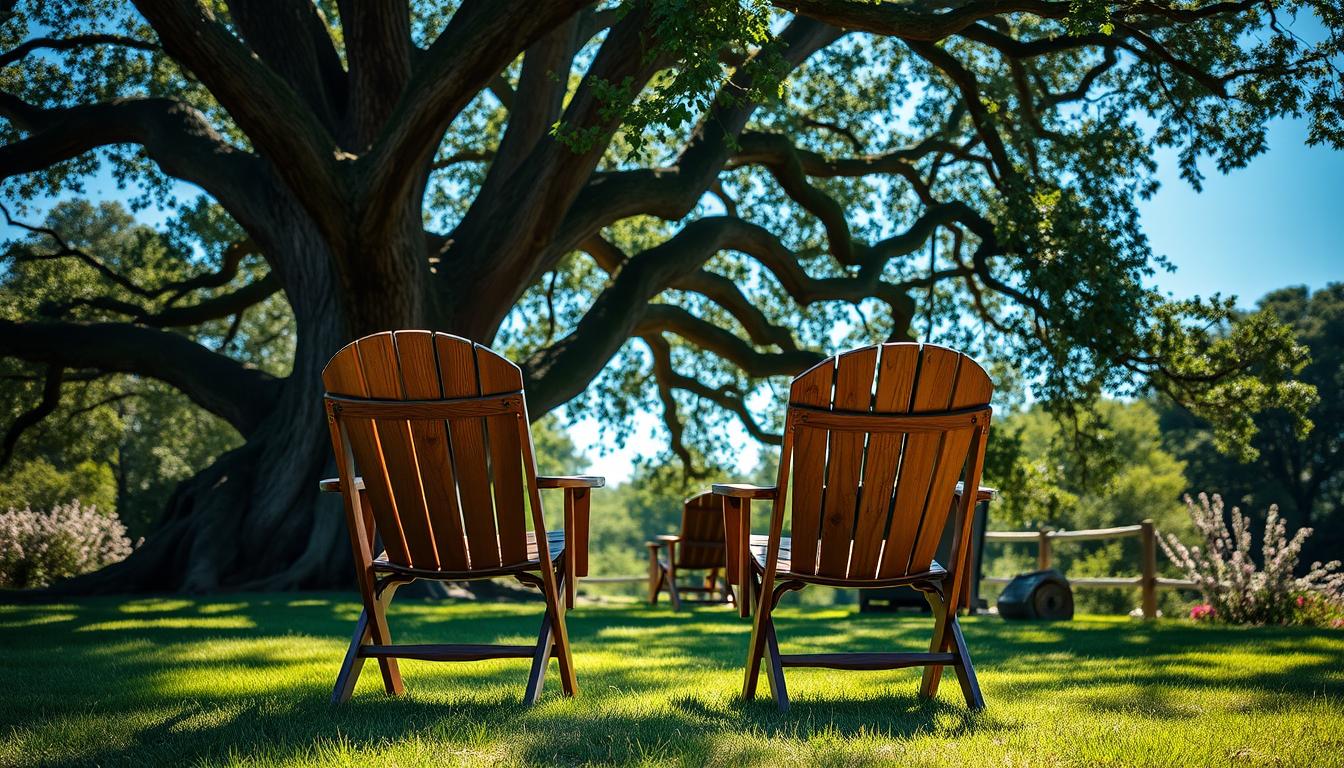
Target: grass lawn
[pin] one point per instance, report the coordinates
(245, 680)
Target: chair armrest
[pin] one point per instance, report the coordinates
(668, 539)
(571, 481)
(745, 490)
(333, 484)
(984, 493)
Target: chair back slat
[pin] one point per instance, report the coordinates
(457, 371)
(420, 377)
(812, 388)
(972, 388)
(872, 483)
(382, 380)
(702, 538)
(445, 480)
(933, 392)
(895, 385)
(853, 392)
(345, 375)
(498, 376)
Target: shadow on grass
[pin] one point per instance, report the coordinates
(135, 663)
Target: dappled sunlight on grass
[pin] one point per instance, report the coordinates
(245, 680)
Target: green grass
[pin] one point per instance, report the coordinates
(245, 680)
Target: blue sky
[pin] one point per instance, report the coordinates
(1276, 222)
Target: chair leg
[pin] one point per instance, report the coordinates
(378, 629)
(568, 682)
(541, 659)
(933, 673)
(775, 670)
(755, 649)
(353, 663)
(655, 574)
(970, 686)
(671, 582)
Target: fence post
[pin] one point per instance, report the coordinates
(1043, 549)
(1148, 538)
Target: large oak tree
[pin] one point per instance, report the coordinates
(665, 203)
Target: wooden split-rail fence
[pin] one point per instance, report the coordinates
(1147, 580)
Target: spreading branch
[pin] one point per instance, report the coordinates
(175, 135)
(221, 385)
(51, 398)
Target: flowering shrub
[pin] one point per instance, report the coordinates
(38, 548)
(1235, 590)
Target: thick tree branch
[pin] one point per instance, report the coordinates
(658, 318)
(716, 288)
(51, 398)
(175, 136)
(291, 36)
(73, 42)
(214, 308)
(221, 385)
(926, 20)
(482, 37)
(670, 193)
(274, 117)
(379, 49)
(727, 398)
(511, 223)
(660, 351)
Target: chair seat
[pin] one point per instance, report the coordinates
(555, 541)
(760, 544)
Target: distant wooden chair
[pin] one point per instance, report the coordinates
(699, 546)
(435, 460)
(875, 441)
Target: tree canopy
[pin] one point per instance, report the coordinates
(650, 204)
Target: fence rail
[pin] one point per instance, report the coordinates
(1147, 581)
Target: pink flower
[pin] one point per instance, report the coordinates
(1202, 612)
(1337, 623)
(1301, 601)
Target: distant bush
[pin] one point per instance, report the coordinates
(1236, 590)
(38, 548)
(39, 484)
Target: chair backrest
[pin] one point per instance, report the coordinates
(437, 427)
(876, 441)
(701, 544)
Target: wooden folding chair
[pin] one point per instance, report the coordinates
(698, 547)
(875, 441)
(435, 459)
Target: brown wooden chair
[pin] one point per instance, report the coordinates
(436, 463)
(699, 546)
(875, 441)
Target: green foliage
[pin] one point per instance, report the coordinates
(124, 440)
(1106, 468)
(691, 34)
(36, 483)
(1302, 473)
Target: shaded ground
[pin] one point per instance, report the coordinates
(245, 679)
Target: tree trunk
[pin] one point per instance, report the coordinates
(254, 519)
